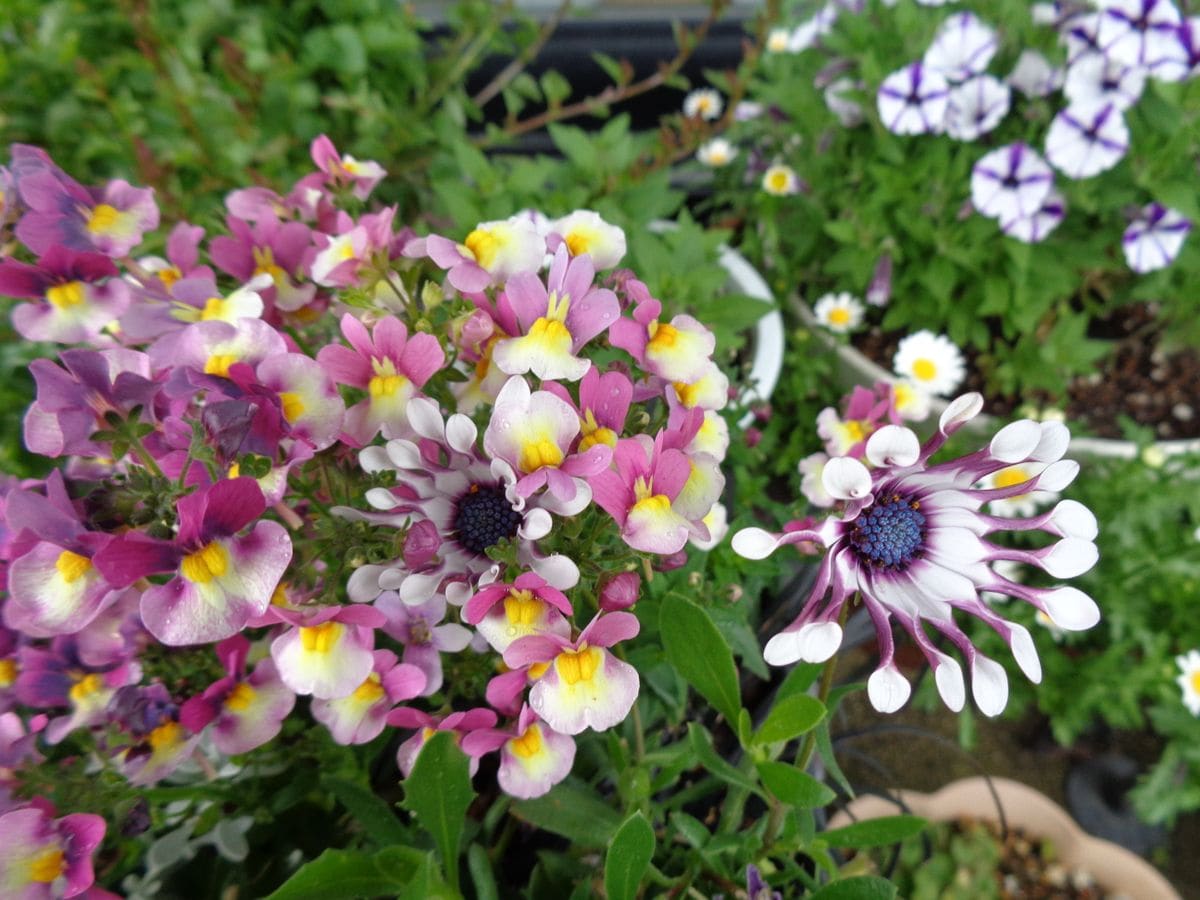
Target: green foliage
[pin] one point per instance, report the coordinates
(354, 874)
(629, 854)
(438, 793)
(700, 654)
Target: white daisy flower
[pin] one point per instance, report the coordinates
(1189, 680)
(716, 153)
(777, 40)
(910, 400)
(932, 362)
(780, 181)
(840, 313)
(976, 107)
(703, 103)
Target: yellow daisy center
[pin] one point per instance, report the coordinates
(839, 316)
(924, 369)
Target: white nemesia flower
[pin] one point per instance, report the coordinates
(976, 107)
(1189, 680)
(1154, 238)
(1033, 75)
(716, 153)
(932, 362)
(1011, 182)
(1097, 79)
(780, 180)
(841, 312)
(1085, 140)
(913, 100)
(703, 103)
(963, 46)
(584, 231)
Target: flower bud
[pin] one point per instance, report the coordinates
(620, 592)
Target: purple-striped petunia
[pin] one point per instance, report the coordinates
(913, 100)
(1154, 238)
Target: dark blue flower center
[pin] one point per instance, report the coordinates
(484, 518)
(889, 534)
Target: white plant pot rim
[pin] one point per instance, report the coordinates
(869, 372)
(1115, 869)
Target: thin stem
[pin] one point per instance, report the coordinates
(639, 738)
(827, 673)
(144, 457)
(505, 76)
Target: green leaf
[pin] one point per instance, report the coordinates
(574, 144)
(628, 856)
(690, 828)
(368, 809)
(793, 787)
(481, 873)
(572, 811)
(348, 874)
(703, 748)
(790, 717)
(874, 832)
(865, 887)
(438, 793)
(696, 648)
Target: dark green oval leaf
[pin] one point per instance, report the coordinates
(874, 832)
(790, 717)
(438, 793)
(572, 811)
(350, 874)
(628, 856)
(793, 787)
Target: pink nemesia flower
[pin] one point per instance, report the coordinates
(460, 723)
(678, 351)
(491, 254)
(150, 717)
(504, 612)
(328, 652)
(361, 175)
(556, 319)
(640, 495)
(42, 857)
(221, 580)
(110, 220)
(604, 402)
(79, 293)
(391, 366)
(247, 711)
(361, 716)
(268, 248)
(533, 756)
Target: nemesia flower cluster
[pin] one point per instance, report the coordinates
(319, 455)
(909, 541)
(1112, 47)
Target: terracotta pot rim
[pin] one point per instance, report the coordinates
(1114, 868)
(868, 370)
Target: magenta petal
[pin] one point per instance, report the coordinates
(612, 494)
(197, 712)
(422, 357)
(611, 628)
(483, 741)
(18, 279)
(133, 555)
(469, 278)
(83, 833)
(232, 505)
(407, 717)
(403, 682)
(532, 649)
(504, 691)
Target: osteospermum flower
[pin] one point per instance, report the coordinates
(1153, 239)
(716, 153)
(1017, 504)
(780, 180)
(913, 100)
(841, 313)
(911, 541)
(1010, 182)
(1189, 680)
(703, 103)
(1087, 139)
(962, 47)
(931, 361)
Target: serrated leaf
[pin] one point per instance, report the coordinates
(793, 787)
(712, 762)
(789, 718)
(572, 811)
(874, 832)
(368, 809)
(865, 887)
(628, 856)
(701, 655)
(438, 793)
(350, 874)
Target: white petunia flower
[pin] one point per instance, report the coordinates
(963, 46)
(1189, 680)
(806, 34)
(703, 103)
(913, 100)
(1087, 140)
(780, 181)
(1139, 32)
(716, 153)
(841, 313)
(1034, 229)
(1185, 64)
(1094, 79)
(933, 363)
(1010, 183)
(840, 102)
(1033, 75)
(1153, 239)
(976, 107)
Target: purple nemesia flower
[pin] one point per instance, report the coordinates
(110, 220)
(1139, 32)
(1095, 79)
(79, 293)
(1153, 239)
(1085, 140)
(913, 100)
(1010, 182)
(1033, 75)
(1033, 229)
(418, 626)
(911, 543)
(976, 107)
(221, 580)
(268, 247)
(43, 857)
(962, 47)
(161, 744)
